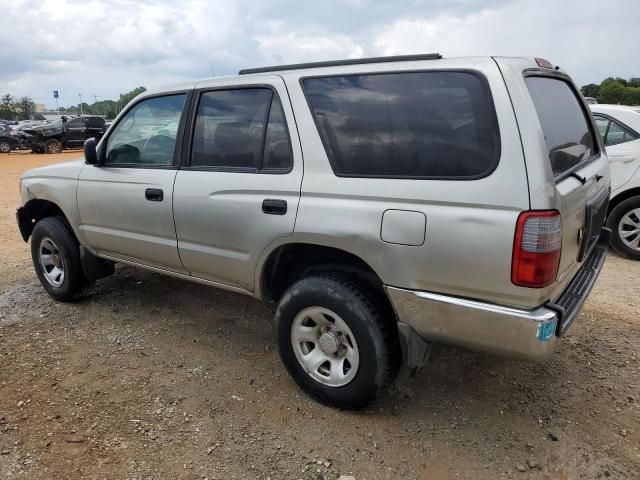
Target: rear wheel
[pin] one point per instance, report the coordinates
(56, 258)
(5, 146)
(334, 341)
(624, 222)
(53, 146)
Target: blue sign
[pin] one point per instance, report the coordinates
(55, 94)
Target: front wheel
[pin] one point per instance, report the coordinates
(624, 222)
(53, 146)
(5, 146)
(56, 258)
(334, 341)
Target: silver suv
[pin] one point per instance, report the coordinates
(383, 204)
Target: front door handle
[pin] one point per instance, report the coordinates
(154, 194)
(272, 206)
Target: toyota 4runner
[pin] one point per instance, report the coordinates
(383, 204)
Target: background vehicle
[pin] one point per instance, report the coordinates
(65, 133)
(620, 129)
(479, 224)
(12, 139)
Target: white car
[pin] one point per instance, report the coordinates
(620, 129)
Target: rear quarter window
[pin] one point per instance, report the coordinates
(567, 132)
(434, 124)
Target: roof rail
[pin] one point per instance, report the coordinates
(334, 63)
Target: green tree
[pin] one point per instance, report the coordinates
(7, 107)
(25, 107)
(631, 96)
(622, 81)
(590, 90)
(127, 97)
(634, 82)
(611, 91)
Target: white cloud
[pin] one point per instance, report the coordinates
(105, 47)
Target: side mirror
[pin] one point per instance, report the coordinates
(90, 153)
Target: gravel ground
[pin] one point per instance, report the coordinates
(150, 377)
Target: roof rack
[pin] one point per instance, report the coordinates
(334, 63)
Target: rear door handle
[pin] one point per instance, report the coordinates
(621, 159)
(153, 194)
(272, 206)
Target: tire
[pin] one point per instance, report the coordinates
(5, 146)
(54, 246)
(622, 221)
(359, 361)
(53, 146)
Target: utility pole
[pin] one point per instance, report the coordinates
(95, 100)
(81, 112)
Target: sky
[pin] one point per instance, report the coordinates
(101, 48)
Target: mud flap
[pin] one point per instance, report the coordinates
(415, 351)
(95, 268)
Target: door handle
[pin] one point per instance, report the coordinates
(154, 194)
(621, 159)
(272, 206)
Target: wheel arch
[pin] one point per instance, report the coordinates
(35, 210)
(621, 197)
(289, 261)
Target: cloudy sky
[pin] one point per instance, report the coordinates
(105, 47)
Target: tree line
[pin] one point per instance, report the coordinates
(17, 109)
(25, 108)
(616, 91)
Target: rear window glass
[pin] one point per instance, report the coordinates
(567, 132)
(408, 125)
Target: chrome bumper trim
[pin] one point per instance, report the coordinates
(495, 329)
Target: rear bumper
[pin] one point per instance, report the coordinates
(522, 334)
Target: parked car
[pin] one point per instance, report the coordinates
(11, 139)
(620, 130)
(65, 133)
(452, 200)
(590, 100)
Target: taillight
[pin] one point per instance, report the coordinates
(536, 248)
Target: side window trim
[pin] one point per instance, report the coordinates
(597, 116)
(185, 164)
(265, 127)
(177, 153)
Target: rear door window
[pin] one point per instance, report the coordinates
(618, 134)
(408, 125)
(567, 132)
(242, 130)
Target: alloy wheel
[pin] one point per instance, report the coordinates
(325, 346)
(51, 262)
(629, 229)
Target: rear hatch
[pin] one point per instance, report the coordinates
(566, 165)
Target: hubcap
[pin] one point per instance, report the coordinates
(325, 346)
(629, 229)
(51, 262)
(5, 147)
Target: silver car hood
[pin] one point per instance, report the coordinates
(70, 170)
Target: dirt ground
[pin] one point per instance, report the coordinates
(150, 377)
